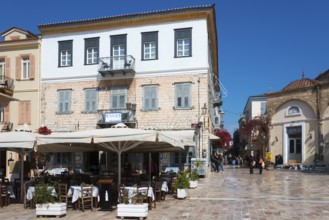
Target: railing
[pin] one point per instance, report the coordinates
(6, 82)
(116, 64)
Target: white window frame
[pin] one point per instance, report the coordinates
(66, 58)
(25, 67)
(291, 108)
(150, 50)
(183, 47)
(92, 55)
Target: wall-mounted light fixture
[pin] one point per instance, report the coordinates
(204, 109)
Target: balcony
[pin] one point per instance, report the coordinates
(108, 117)
(6, 85)
(116, 65)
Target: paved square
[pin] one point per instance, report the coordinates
(232, 194)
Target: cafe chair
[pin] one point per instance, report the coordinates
(30, 203)
(5, 197)
(86, 198)
(63, 196)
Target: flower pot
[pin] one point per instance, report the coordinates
(193, 184)
(181, 193)
(132, 210)
(51, 209)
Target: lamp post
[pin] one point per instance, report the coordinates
(203, 113)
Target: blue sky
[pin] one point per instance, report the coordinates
(263, 44)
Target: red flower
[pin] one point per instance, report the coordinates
(44, 130)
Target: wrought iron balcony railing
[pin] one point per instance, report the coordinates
(116, 65)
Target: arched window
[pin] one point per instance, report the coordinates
(293, 110)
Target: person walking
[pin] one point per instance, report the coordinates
(220, 163)
(260, 165)
(252, 163)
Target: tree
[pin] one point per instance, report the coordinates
(258, 130)
(224, 138)
(236, 143)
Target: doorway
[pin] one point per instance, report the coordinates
(294, 144)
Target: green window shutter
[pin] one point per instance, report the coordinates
(183, 95)
(67, 101)
(94, 102)
(150, 96)
(61, 101)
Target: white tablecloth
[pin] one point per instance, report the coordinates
(132, 191)
(31, 190)
(56, 171)
(164, 186)
(172, 169)
(75, 191)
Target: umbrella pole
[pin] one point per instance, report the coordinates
(119, 168)
(150, 169)
(22, 175)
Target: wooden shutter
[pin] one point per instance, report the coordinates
(178, 94)
(87, 100)
(7, 63)
(20, 113)
(6, 117)
(186, 95)
(18, 67)
(28, 112)
(32, 66)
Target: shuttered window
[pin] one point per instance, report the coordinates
(183, 42)
(91, 100)
(91, 50)
(25, 67)
(150, 98)
(64, 101)
(149, 45)
(65, 53)
(24, 116)
(183, 95)
(2, 113)
(118, 97)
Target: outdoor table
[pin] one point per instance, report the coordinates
(132, 191)
(172, 169)
(31, 190)
(56, 171)
(75, 191)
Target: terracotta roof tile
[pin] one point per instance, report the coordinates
(298, 84)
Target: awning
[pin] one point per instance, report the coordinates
(4, 97)
(185, 136)
(213, 137)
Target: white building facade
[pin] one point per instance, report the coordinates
(153, 70)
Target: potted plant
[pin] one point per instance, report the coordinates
(47, 201)
(137, 207)
(182, 184)
(194, 177)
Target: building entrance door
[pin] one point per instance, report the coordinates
(295, 144)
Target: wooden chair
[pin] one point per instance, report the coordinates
(31, 203)
(63, 196)
(86, 198)
(4, 195)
